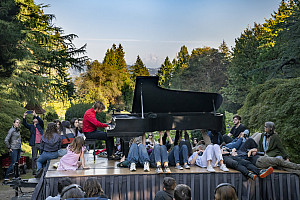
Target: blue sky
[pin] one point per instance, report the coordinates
(155, 29)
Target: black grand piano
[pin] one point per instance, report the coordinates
(157, 109)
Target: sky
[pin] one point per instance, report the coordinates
(155, 29)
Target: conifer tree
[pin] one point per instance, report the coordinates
(138, 69)
(165, 73)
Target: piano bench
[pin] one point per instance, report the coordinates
(92, 142)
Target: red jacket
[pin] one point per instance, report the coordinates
(90, 123)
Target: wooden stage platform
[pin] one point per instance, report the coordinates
(121, 184)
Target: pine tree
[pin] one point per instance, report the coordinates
(138, 69)
(165, 73)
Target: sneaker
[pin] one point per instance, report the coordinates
(252, 176)
(224, 168)
(132, 167)
(167, 170)
(39, 173)
(146, 167)
(159, 170)
(186, 166)
(210, 168)
(265, 172)
(55, 165)
(178, 167)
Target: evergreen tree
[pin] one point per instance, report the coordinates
(165, 73)
(138, 69)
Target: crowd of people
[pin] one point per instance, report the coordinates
(254, 156)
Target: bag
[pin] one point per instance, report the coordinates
(66, 139)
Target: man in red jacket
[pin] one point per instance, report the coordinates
(90, 124)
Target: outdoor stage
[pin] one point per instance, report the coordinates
(121, 184)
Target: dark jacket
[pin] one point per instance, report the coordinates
(275, 146)
(51, 145)
(164, 195)
(39, 126)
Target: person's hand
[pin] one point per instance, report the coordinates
(109, 122)
(85, 167)
(288, 159)
(25, 113)
(34, 113)
(229, 134)
(10, 150)
(168, 133)
(252, 152)
(161, 133)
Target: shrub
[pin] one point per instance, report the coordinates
(278, 101)
(9, 111)
(50, 116)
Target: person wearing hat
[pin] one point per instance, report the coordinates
(36, 131)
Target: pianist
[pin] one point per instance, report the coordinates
(90, 124)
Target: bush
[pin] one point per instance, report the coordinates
(9, 111)
(50, 116)
(277, 101)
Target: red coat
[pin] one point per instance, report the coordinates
(90, 123)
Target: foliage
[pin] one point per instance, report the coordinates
(165, 73)
(50, 116)
(41, 70)
(138, 69)
(9, 111)
(206, 71)
(277, 100)
(78, 110)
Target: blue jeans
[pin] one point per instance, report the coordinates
(159, 154)
(236, 143)
(14, 155)
(44, 157)
(138, 154)
(178, 155)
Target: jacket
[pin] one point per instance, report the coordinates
(275, 146)
(51, 145)
(90, 123)
(13, 139)
(31, 127)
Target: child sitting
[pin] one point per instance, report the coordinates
(74, 151)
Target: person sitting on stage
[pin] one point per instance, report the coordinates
(64, 182)
(208, 158)
(225, 191)
(67, 136)
(168, 192)
(49, 146)
(70, 160)
(72, 191)
(138, 155)
(179, 154)
(92, 188)
(182, 192)
(90, 124)
(248, 169)
(236, 129)
(252, 152)
(150, 142)
(159, 156)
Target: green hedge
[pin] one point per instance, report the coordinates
(278, 101)
(9, 111)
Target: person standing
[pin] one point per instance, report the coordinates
(167, 193)
(90, 124)
(36, 131)
(13, 143)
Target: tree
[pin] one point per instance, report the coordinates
(138, 69)
(165, 73)
(277, 100)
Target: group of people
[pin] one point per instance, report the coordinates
(91, 189)
(253, 156)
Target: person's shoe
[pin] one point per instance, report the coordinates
(55, 165)
(210, 168)
(224, 168)
(178, 167)
(132, 167)
(167, 170)
(186, 166)
(252, 176)
(112, 157)
(265, 172)
(39, 173)
(159, 170)
(146, 167)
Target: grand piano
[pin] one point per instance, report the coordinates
(157, 109)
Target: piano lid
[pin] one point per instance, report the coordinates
(160, 100)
